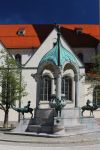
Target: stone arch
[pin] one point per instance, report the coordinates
(18, 58)
(45, 88)
(47, 66)
(70, 65)
(72, 70)
(49, 70)
(48, 73)
(67, 87)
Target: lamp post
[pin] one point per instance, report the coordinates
(58, 41)
(58, 86)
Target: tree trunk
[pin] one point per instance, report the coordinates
(6, 118)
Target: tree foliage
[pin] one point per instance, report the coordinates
(11, 83)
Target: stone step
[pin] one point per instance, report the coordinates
(40, 129)
(75, 128)
(41, 121)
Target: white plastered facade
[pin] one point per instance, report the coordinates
(30, 61)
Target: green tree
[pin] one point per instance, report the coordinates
(95, 70)
(94, 78)
(11, 83)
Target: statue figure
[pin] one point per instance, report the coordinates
(89, 103)
(26, 109)
(57, 104)
(28, 105)
(89, 106)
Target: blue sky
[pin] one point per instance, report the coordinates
(49, 11)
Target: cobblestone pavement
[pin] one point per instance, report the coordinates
(85, 141)
(32, 146)
(89, 137)
(81, 138)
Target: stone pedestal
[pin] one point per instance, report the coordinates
(43, 122)
(90, 122)
(22, 126)
(71, 117)
(71, 120)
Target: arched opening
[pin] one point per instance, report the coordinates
(18, 58)
(96, 95)
(67, 87)
(71, 72)
(45, 88)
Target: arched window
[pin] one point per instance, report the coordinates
(80, 56)
(45, 88)
(18, 58)
(96, 95)
(67, 87)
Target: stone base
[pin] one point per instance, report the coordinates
(71, 117)
(43, 122)
(90, 122)
(22, 126)
(44, 105)
(40, 129)
(69, 123)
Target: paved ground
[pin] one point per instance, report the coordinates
(90, 137)
(82, 141)
(32, 146)
(76, 142)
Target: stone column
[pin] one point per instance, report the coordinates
(38, 92)
(76, 90)
(52, 87)
(58, 85)
(73, 89)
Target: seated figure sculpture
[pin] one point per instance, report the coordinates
(27, 106)
(89, 106)
(26, 109)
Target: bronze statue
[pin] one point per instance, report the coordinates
(26, 109)
(57, 104)
(89, 107)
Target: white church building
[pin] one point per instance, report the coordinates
(52, 68)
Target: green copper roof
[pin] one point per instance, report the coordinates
(65, 55)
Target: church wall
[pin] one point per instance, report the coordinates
(88, 91)
(98, 48)
(87, 52)
(43, 49)
(81, 86)
(34, 56)
(26, 54)
(31, 87)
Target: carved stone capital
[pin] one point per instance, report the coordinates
(35, 76)
(76, 77)
(59, 72)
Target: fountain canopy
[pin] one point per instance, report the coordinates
(65, 56)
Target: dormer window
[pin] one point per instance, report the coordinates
(78, 31)
(21, 32)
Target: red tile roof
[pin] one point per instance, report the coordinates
(10, 38)
(91, 29)
(36, 34)
(89, 37)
